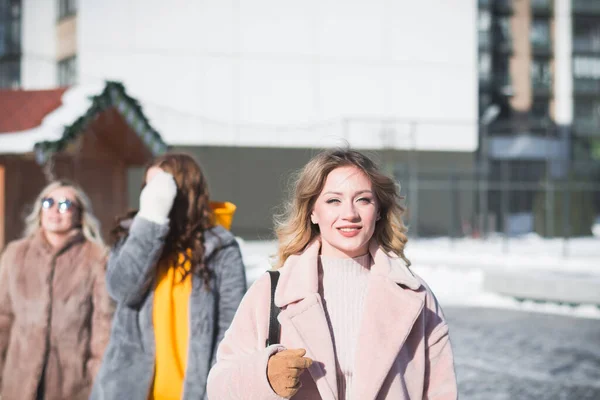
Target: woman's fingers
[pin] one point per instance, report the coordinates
(293, 383)
(299, 362)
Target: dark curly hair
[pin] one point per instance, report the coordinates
(190, 215)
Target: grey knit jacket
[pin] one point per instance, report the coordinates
(127, 369)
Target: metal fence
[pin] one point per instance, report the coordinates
(514, 198)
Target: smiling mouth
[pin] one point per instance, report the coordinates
(349, 229)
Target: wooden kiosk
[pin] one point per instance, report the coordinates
(95, 151)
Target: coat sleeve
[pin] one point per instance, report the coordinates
(102, 313)
(132, 263)
(6, 309)
(440, 378)
(240, 371)
(231, 286)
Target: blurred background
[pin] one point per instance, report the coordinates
(487, 112)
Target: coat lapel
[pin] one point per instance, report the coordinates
(303, 318)
(389, 314)
(306, 327)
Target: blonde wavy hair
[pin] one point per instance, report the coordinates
(88, 223)
(294, 229)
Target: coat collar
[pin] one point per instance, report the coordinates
(40, 242)
(300, 277)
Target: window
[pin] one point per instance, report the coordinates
(586, 35)
(540, 33)
(483, 28)
(67, 71)
(10, 43)
(587, 109)
(541, 77)
(586, 67)
(586, 117)
(540, 4)
(484, 20)
(502, 78)
(504, 30)
(10, 74)
(66, 8)
(485, 67)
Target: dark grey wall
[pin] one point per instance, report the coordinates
(257, 181)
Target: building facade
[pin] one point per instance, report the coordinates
(254, 88)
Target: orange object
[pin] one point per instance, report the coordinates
(171, 328)
(223, 213)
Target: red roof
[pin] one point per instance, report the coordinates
(24, 109)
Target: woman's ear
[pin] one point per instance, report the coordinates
(313, 219)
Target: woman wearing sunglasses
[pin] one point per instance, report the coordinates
(54, 310)
(177, 277)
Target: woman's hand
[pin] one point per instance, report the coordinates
(284, 370)
(156, 199)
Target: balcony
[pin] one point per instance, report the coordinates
(503, 86)
(503, 7)
(586, 87)
(586, 7)
(484, 4)
(586, 45)
(534, 126)
(503, 46)
(586, 126)
(541, 8)
(499, 85)
(541, 48)
(541, 87)
(485, 83)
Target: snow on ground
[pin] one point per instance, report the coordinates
(454, 268)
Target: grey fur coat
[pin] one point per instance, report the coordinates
(127, 370)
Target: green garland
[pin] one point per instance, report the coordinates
(113, 95)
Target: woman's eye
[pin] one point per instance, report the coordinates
(365, 200)
(330, 201)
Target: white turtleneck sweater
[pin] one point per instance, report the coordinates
(343, 284)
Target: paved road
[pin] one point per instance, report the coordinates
(514, 355)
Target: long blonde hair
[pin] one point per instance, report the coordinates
(294, 229)
(89, 224)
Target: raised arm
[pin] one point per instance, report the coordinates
(132, 263)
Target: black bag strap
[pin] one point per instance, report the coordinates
(274, 327)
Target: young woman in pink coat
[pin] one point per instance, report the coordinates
(356, 322)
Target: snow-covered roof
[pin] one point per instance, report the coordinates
(80, 104)
(75, 102)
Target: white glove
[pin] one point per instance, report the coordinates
(156, 199)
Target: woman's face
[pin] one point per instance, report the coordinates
(60, 211)
(346, 212)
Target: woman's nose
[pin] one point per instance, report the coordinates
(349, 211)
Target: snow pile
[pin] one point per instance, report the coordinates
(454, 269)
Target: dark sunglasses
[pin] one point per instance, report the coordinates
(64, 205)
